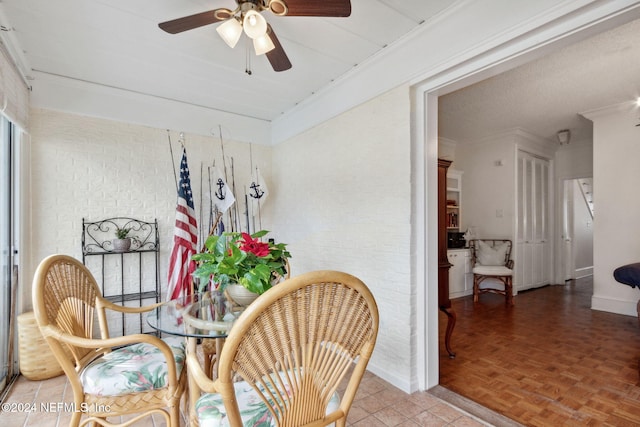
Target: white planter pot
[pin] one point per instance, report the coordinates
(241, 295)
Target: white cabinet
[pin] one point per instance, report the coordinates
(460, 277)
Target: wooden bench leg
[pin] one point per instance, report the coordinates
(638, 310)
(508, 290)
(476, 288)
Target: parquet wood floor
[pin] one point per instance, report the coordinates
(547, 361)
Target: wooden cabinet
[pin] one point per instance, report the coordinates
(444, 303)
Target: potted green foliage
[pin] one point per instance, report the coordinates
(234, 260)
(122, 242)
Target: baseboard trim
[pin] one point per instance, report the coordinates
(583, 272)
(628, 308)
(391, 379)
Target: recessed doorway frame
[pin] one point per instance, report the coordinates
(580, 25)
(567, 240)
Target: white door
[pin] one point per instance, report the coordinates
(567, 230)
(533, 257)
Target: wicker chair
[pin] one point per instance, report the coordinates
(491, 259)
(211, 346)
(291, 348)
(66, 300)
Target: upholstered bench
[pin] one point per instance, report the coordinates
(629, 275)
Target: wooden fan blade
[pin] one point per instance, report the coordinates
(277, 56)
(337, 8)
(194, 21)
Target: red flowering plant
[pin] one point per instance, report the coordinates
(243, 259)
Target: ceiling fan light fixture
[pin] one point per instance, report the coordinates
(230, 31)
(263, 44)
(247, 17)
(254, 24)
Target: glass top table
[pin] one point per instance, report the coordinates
(205, 315)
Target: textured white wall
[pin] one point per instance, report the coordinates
(344, 204)
(339, 195)
(487, 188)
(615, 182)
(575, 160)
(93, 168)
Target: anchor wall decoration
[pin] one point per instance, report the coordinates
(220, 194)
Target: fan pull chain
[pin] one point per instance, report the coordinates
(247, 57)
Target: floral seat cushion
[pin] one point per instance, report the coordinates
(131, 369)
(254, 412)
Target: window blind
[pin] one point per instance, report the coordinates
(14, 92)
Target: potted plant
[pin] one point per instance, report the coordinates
(122, 242)
(234, 260)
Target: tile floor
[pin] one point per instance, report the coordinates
(377, 404)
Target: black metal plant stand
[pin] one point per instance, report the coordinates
(128, 277)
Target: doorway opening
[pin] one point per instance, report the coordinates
(577, 228)
(424, 152)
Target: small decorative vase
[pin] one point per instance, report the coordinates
(121, 245)
(241, 295)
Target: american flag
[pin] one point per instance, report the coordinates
(185, 238)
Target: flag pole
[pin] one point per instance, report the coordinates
(212, 230)
(236, 217)
(210, 195)
(232, 222)
(253, 218)
(175, 176)
(259, 204)
(224, 161)
(200, 231)
(246, 204)
(224, 165)
(255, 186)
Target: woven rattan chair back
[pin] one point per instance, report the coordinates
(210, 346)
(296, 343)
(66, 300)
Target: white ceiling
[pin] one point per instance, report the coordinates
(117, 44)
(548, 94)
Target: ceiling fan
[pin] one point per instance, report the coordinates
(247, 17)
